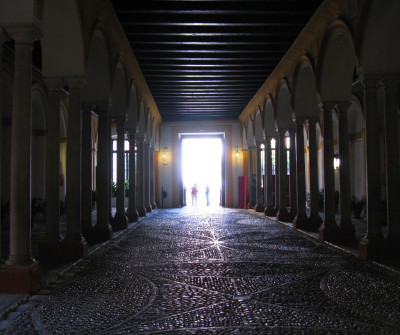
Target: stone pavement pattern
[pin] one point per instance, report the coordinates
(215, 271)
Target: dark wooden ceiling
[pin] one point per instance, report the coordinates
(204, 60)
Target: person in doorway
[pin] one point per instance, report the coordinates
(208, 195)
(194, 195)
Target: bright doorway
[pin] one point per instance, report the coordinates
(202, 166)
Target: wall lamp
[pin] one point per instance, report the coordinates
(336, 162)
(237, 152)
(164, 157)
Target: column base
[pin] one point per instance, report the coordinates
(269, 211)
(283, 215)
(259, 208)
(50, 252)
(250, 205)
(148, 209)
(120, 222)
(98, 235)
(154, 205)
(74, 250)
(133, 216)
(142, 211)
(314, 222)
(301, 222)
(330, 233)
(372, 249)
(27, 280)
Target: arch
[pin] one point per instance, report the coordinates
(305, 98)
(62, 42)
(355, 116)
(98, 88)
(132, 111)
(119, 92)
(380, 47)
(141, 121)
(38, 142)
(283, 108)
(258, 128)
(337, 64)
(251, 141)
(269, 118)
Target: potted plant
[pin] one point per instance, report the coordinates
(357, 205)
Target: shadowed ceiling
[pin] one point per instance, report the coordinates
(204, 60)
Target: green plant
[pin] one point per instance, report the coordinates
(126, 187)
(113, 188)
(357, 205)
(321, 197)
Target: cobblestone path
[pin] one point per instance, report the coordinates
(215, 271)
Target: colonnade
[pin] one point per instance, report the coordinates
(20, 272)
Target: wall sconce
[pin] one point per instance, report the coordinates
(336, 162)
(164, 157)
(237, 152)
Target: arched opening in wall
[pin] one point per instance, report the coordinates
(202, 170)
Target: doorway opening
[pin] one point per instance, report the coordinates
(202, 168)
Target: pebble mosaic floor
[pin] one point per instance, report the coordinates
(215, 271)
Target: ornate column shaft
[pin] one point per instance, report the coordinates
(251, 200)
(20, 198)
(259, 203)
(86, 181)
(152, 185)
(314, 219)
(120, 219)
(75, 244)
(52, 230)
(347, 230)
(3, 39)
(301, 220)
(392, 162)
(146, 174)
(277, 173)
(282, 214)
(140, 178)
(133, 215)
(370, 245)
(268, 188)
(292, 179)
(103, 231)
(329, 229)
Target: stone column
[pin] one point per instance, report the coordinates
(301, 220)
(292, 178)
(75, 245)
(251, 200)
(329, 229)
(3, 39)
(103, 230)
(268, 188)
(133, 215)
(86, 181)
(49, 247)
(277, 173)
(372, 244)
(120, 219)
(259, 204)
(152, 190)
(315, 220)
(347, 230)
(140, 178)
(392, 164)
(21, 274)
(282, 214)
(146, 174)
(20, 199)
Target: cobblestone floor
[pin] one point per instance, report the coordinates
(215, 271)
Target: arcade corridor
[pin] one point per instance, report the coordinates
(213, 271)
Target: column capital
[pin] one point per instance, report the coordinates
(140, 139)
(282, 132)
(75, 82)
(101, 106)
(300, 120)
(53, 83)
(327, 106)
(120, 119)
(24, 33)
(87, 107)
(131, 132)
(343, 106)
